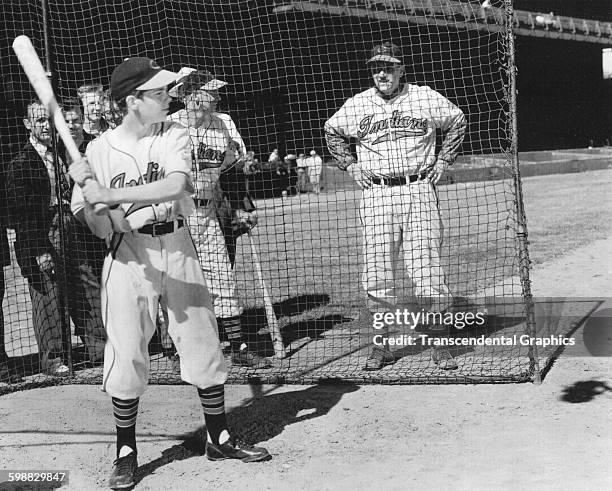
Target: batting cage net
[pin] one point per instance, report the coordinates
(401, 282)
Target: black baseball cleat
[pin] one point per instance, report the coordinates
(235, 449)
(123, 475)
(246, 358)
(443, 359)
(379, 357)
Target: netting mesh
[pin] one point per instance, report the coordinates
(289, 67)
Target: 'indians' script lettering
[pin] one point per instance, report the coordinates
(407, 126)
(152, 174)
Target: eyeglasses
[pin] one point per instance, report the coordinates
(387, 68)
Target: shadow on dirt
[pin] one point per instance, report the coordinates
(584, 391)
(261, 418)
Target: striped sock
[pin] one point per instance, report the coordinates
(233, 331)
(213, 403)
(125, 412)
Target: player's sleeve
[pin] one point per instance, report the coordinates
(232, 180)
(77, 202)
(100, 226)
(451, 120)
(178, 153)
(234, 133)
(339, 129)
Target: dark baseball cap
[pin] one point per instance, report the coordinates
(138, 73)
(387, 52)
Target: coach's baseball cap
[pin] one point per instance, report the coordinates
(138, 73)
(193, 80)
(387, 52)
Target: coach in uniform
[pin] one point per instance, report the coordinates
(394, 127)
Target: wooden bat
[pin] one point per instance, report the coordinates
(38, 79)
(277, 340)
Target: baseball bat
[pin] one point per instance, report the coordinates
(40, 83)
(277, 340)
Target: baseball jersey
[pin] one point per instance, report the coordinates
(233, 131)
(396, 137)
(209, 143)
(162, 151)
(181, 117)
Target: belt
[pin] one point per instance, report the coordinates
(398, 181)
(162, 228)
(201, 201)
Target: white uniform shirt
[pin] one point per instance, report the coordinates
(397, 137)
(233, 131)
(162, 151)
(209, 143)
(181, 117)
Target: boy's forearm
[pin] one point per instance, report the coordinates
(99, 225)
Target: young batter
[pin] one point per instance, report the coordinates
(142, 170)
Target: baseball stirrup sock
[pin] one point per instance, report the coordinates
(233, 330)
(213, 403)
(125, 412)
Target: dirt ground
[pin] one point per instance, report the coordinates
(516, 436)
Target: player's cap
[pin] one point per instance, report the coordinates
(182, 76)
(184, 71)
(313, 152)
(138, 73)
(195, 80)
(387, 52)
(214, 84)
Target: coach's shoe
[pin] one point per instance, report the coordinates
(443, 359)
(124, 473)
(235, 449)
(246, 358)
(379, 357)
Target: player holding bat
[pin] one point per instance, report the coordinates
(143, 168)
